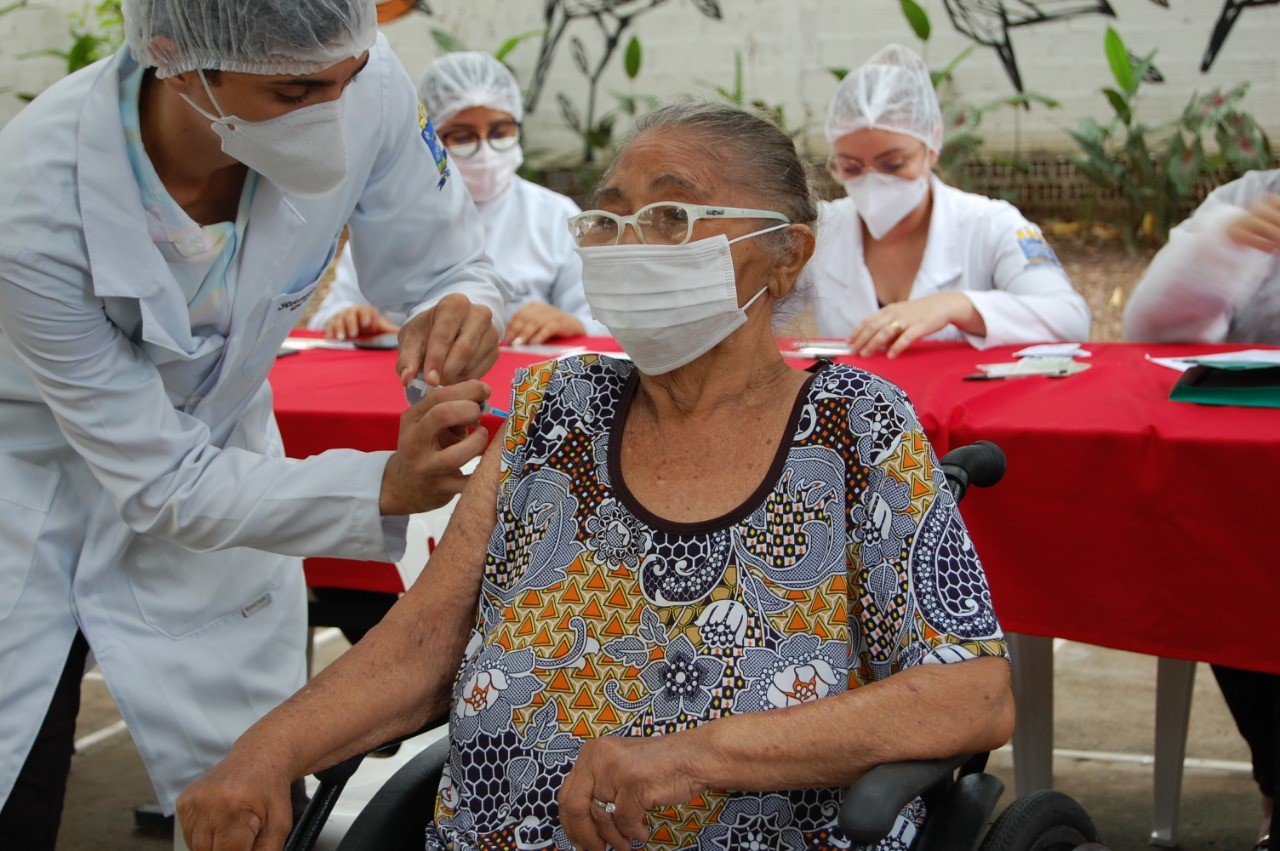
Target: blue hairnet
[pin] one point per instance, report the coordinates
(458, 81)
(252, 36)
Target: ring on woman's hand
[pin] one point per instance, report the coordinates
(608, 806)
(895, 326)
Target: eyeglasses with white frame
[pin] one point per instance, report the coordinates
(660, 223)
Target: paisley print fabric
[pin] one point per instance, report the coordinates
(599, 619)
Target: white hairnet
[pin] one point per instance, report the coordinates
(890, 91)
(458, 81)
(252, 36)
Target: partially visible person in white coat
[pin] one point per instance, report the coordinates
(906, 257)
(1218, 281)
(476, 107)
(165, 215)
(1218, 278)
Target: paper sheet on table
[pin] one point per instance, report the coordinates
(1058, 367)
(1053, 350)
(299, 344)
(1270, 357)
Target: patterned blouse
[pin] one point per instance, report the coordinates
(597, 618)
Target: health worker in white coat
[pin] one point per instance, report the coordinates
(475, 104)
(164, 217)
(905, 256)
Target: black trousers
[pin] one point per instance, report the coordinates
(1254, 700)
(30, 817)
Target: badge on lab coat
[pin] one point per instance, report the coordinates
(433, 145)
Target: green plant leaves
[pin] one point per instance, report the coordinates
(512, 43)
(631, 59)
(447, 42)
(1121, 65)
(917, 18)
(1120, 104)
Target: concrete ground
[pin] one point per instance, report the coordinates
(1104, 706)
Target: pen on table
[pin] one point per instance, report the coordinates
(986, 376)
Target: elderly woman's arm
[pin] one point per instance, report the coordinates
(391, 683)
(924, 712)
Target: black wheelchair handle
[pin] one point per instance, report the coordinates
(981, 463)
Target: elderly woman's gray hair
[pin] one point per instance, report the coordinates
(751, 153)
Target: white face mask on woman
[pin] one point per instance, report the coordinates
(488, 173)
(666, 305)
(883, 200)
(304, 152)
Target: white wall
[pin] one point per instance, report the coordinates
(787, 47)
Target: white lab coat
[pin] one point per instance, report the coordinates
(977, 245)
(145, 498)
(1204, 288)
(526, 234)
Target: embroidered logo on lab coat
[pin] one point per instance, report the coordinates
(1034, 247)
(433, 144)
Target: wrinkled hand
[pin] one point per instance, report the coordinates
(451, 342)
(898, 325)
(1260, 227)
(238, 805)
(437, 436)
(538, 322)
(635, 774)
(359, 320)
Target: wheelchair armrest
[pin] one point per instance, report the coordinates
(397, 816)
(871, 805)
(332, 781)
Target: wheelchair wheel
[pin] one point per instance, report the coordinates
(1042, 821)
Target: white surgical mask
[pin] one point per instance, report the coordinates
(666, 305)
(304, 152)
(488, 173)
(883, 200)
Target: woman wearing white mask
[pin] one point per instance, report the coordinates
(905, 256)
(475, 105)
(672, 626)
(165, 215)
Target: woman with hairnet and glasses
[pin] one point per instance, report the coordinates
(474, 103)
(905, 256)
(164, 217)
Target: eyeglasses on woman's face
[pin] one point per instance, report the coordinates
(464, 142)
(893, 162)
(660, 223)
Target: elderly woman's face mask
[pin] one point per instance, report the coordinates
(666, 300)
(303, 151)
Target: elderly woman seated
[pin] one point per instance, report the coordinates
(685, 598)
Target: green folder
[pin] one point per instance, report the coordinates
(1242, 383)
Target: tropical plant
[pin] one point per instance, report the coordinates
(1154, 168)
(597, 132)
(737, 95)
(96, 31)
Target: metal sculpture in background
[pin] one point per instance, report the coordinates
(988, 22)
(611, 16)
(1231, 10)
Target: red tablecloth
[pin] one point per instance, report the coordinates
(1124, 520)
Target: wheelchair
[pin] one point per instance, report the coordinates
(959, 796)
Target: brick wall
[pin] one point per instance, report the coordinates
(787, 45)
